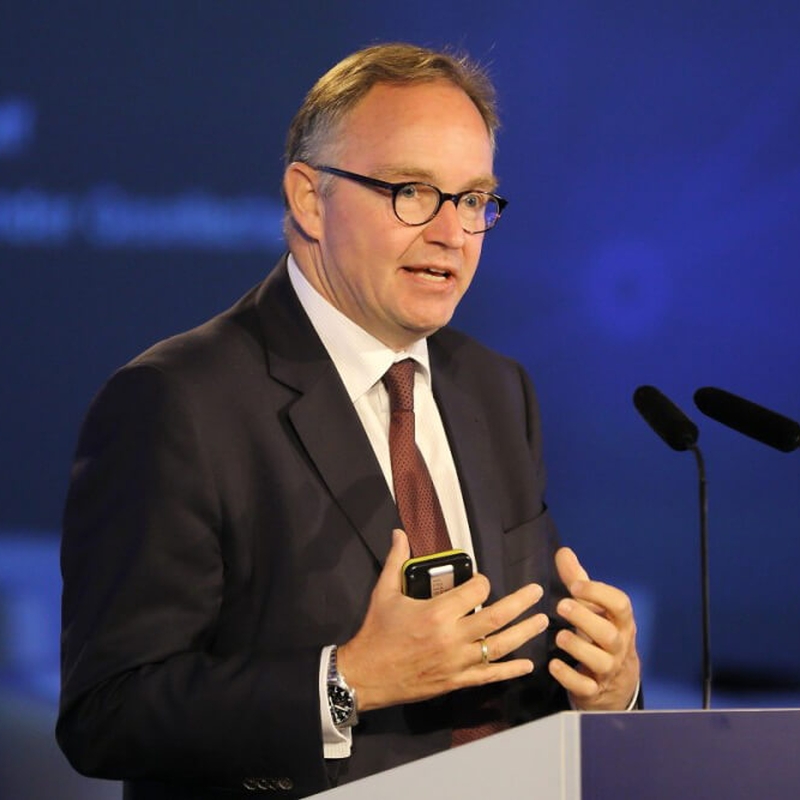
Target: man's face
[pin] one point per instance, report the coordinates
(402, 283)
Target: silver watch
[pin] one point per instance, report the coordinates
(341, 698)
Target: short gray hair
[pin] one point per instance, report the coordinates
(340, 89)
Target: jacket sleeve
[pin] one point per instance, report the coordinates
(149, 689)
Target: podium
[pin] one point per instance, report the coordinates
(649, 755)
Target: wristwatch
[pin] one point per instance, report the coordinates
(341, 698)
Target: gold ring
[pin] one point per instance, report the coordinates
(484, 650)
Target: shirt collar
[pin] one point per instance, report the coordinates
(359, 357)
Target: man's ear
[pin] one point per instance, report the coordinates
(300, 189)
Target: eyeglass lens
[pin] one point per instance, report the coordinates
(416, 203)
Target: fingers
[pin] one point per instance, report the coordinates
(569, 568)
(489, 631)
(598, 634)
(481, 664)
(496, 616)
(466, 597)
(390, 579)
(603, 641)
(570, 571)
(492, 623)
(593, 657)
(611, 691)
(510, 639)
(602, 616)
(408, 650)
(578, 684)
(480, 674)
(613, 602)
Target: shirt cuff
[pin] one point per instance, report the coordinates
(336, 742)
(635, 699)
(631, 705)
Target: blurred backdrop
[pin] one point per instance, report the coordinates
(651, 156)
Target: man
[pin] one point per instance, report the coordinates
(232, 544)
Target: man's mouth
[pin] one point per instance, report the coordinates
(434, 273)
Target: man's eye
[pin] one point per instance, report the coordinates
(409, 191)
(473, 200)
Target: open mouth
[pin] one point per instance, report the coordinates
(434, 273)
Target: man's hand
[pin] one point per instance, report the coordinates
(409, 650)
(604, 640)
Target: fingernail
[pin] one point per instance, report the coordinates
(543, 624)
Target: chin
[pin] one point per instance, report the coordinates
(421, 330)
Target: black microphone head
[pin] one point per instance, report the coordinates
(665, 418)
(757, 422)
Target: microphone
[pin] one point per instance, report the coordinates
(665, 418)
(680, 433)
(757, 422)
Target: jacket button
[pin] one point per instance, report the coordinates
(267, 784)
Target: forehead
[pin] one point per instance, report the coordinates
(434, 127)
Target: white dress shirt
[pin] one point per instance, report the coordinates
(361, 361)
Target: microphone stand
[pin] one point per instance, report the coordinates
(680, 433)
(704, 576)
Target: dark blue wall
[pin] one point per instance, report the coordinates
(651, 155)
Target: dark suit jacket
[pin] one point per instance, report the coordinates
(227, 518)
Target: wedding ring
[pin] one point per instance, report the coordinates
(484, 650)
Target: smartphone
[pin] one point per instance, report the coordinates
(429, 576)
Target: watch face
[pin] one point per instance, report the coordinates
(341, 704)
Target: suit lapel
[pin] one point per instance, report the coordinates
(334, 439)
(323, 416)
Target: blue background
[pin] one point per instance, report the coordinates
(651, 156)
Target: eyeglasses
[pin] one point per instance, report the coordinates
(416, 203)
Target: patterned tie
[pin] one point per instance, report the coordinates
(415, 494)
(477, 714)
(424, 523)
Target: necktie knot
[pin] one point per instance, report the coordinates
(399, 383)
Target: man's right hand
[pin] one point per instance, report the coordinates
(409, 650)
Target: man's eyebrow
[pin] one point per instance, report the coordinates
(396, 174)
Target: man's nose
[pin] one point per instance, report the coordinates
(446, 226)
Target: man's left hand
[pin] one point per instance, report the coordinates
(603, 642)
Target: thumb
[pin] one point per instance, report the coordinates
(390, 579)
(569, 568)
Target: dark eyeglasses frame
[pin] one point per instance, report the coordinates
(396, 188)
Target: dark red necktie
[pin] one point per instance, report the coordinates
(415, 494)
(423, 521)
